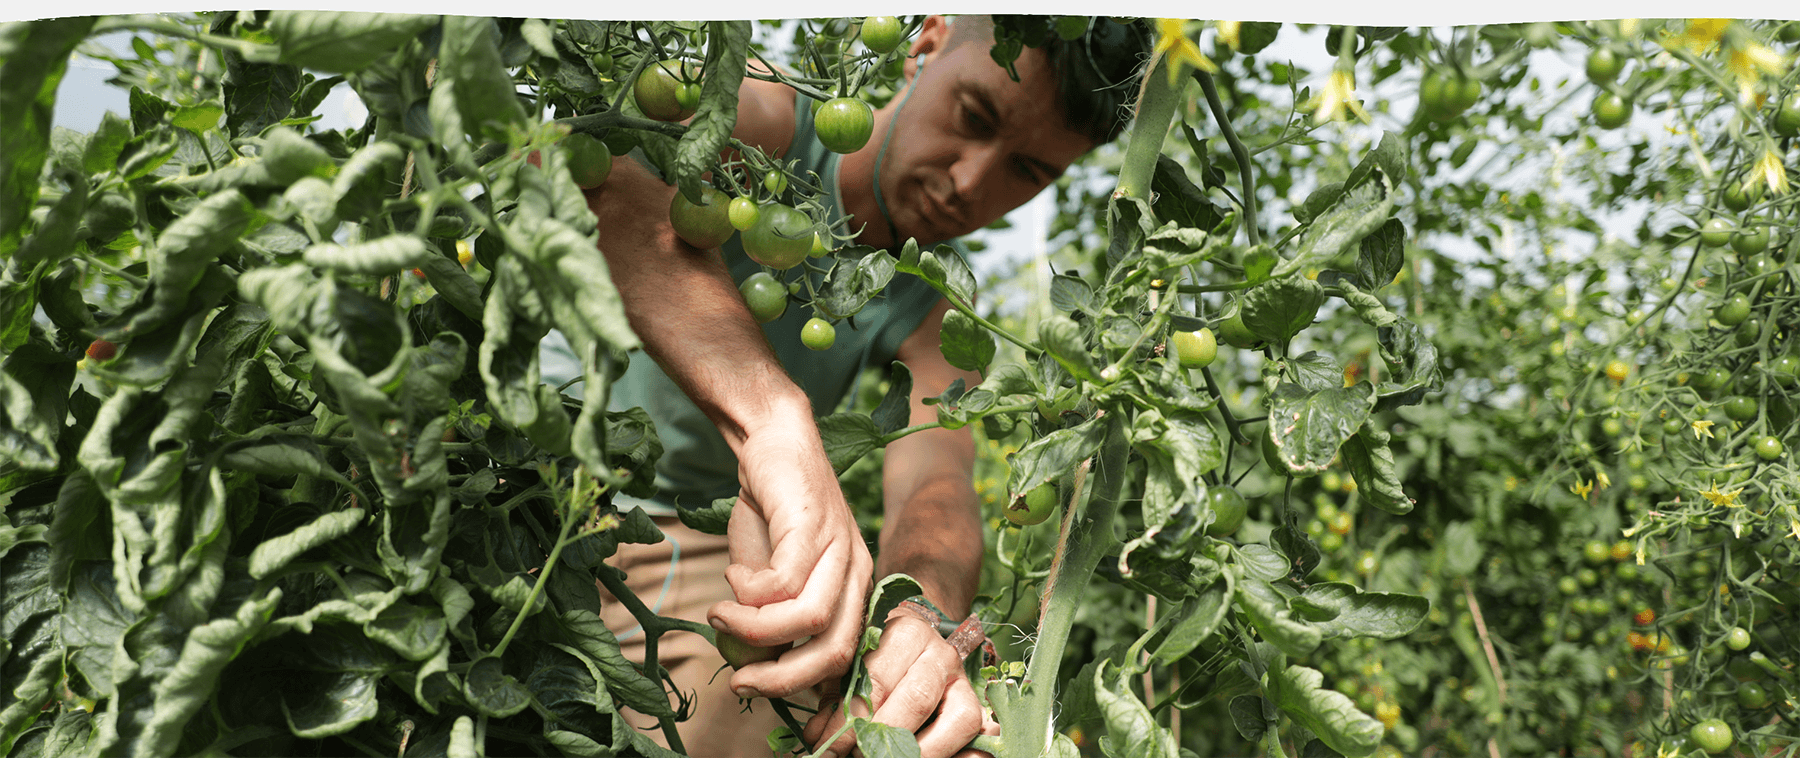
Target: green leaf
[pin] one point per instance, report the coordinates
(1412, 362)
(1178, 200)
(361, 183)
(1278, 309)
(1268, 611)
(1314, 372)
(728, 43)
(492, 691)
(888, 594)
(1361, 211)
(1371, 463)
(1390, 155)
(1461, 547)
(273, 554)
(485, 97)
(1354, 613)
(462, 739)
(1319, 201)
(341, 42)
(945, 270)
(850, 287)
(380, 256)
(848, 437)
(1383, 254)
(1328, 714)
(966, 344)
(1130, 729)
(1070, 293)
(1309, 427)
(55, 237)
(1247, 716)
(258, 95)
(190, 682)
(711, 519)
(34, 392)
(878, 740)
(583, 631)
(333, 675)
(103, 147)
(895, 409)
(1199, 618)
(1049, 457)
(33, 57)
(1254, 36)
(1062, 338)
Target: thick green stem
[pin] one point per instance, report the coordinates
(1238, 151)
(1154, 112)
(1090, 537)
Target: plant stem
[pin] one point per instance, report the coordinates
(1088, 540)
(1238, 151)
(537, 589)
(654, 627)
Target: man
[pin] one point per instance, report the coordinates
(960, 146)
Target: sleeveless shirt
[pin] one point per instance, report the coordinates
(697, 466)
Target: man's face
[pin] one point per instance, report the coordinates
(971, 144)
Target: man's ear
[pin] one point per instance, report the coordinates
(933, 35)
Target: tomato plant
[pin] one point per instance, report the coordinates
(662, 91)
(781, 237)
(706, 224)
(766, 297)
(818, 334)
(844, 124)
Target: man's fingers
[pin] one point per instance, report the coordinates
(795, 547)
(959, 719)
(807, 615)
(827, 654)
(916, 696)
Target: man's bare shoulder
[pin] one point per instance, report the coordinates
(765, 115)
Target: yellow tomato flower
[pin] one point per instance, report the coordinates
(1629, 26)
(1701, 33)
(1602, 479)
(1752, 59)
(1230, 32)
(1723, 499)
(1173, 42)
(1794, 526)
(1339, 94)
(1582, 488)
(1703, 428)
(1768, 169)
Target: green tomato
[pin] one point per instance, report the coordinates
(1596, 552)
(819, 250)
(1738, 639)
(1739, 196)
(1612, 427)
(1787, 117)
(1603, 65)
(1235, 334)
(1750, 240)
(688, 94)
(1769, 448)
(706, 225)
(781, 237)
(1712, 735)
(1733, 311)
(657, 90)
(818, 334)
(765, 296)
(1612, 111)
(883, 33)
(1196, 349)
(1752, 696)
(589, 160)
(1567, 585)
(776, 182)
(743, 213)
(1785, 370)
(739, 653)
(1587, 577)
(844, 124)
(1672, 426)
(1748, 332)
(1228, 507)
(1715, 232)
(1740, 408)
(603, 63)
(1033, 507)
(1071, 27)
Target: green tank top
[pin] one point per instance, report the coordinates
(697, 466)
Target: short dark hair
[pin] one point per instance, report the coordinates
(1097, 72)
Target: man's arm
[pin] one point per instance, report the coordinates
(799, 567)
(931, 530)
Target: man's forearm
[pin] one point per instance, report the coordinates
(935, 536)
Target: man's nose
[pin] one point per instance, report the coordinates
(972, 172)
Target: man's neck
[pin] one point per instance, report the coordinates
(856, 183)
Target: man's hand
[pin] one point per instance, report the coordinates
(916, 682)
(799, 567)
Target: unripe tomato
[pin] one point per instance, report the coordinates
(742, 212)
(706, 225)
(1752, 696)
(883, 33)
(688, 94)
(781, 237)
(766, 297)
(1787, 117)
(819, 250)
(657, 90)
(1603, 65)
(603, 63)
(1618, 370)
(1235, 334)
(102, 350)
(739, 653)
(1071, 27)
(1715, 233)
(844, 124)
(1596, 552)
(1611, 111)
(776, 182)
(1748, 332)
(1228, 507)
(818, 334)
(1769, 448)
(1750, 240)
(1196, 349)
(1733, 311)
(1620, 551)
(1033, 507)
(1740, 408)
(1740, 196)
(589, 160)
(1785, 370)
(1712, 735)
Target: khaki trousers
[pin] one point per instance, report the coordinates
(681, 577)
